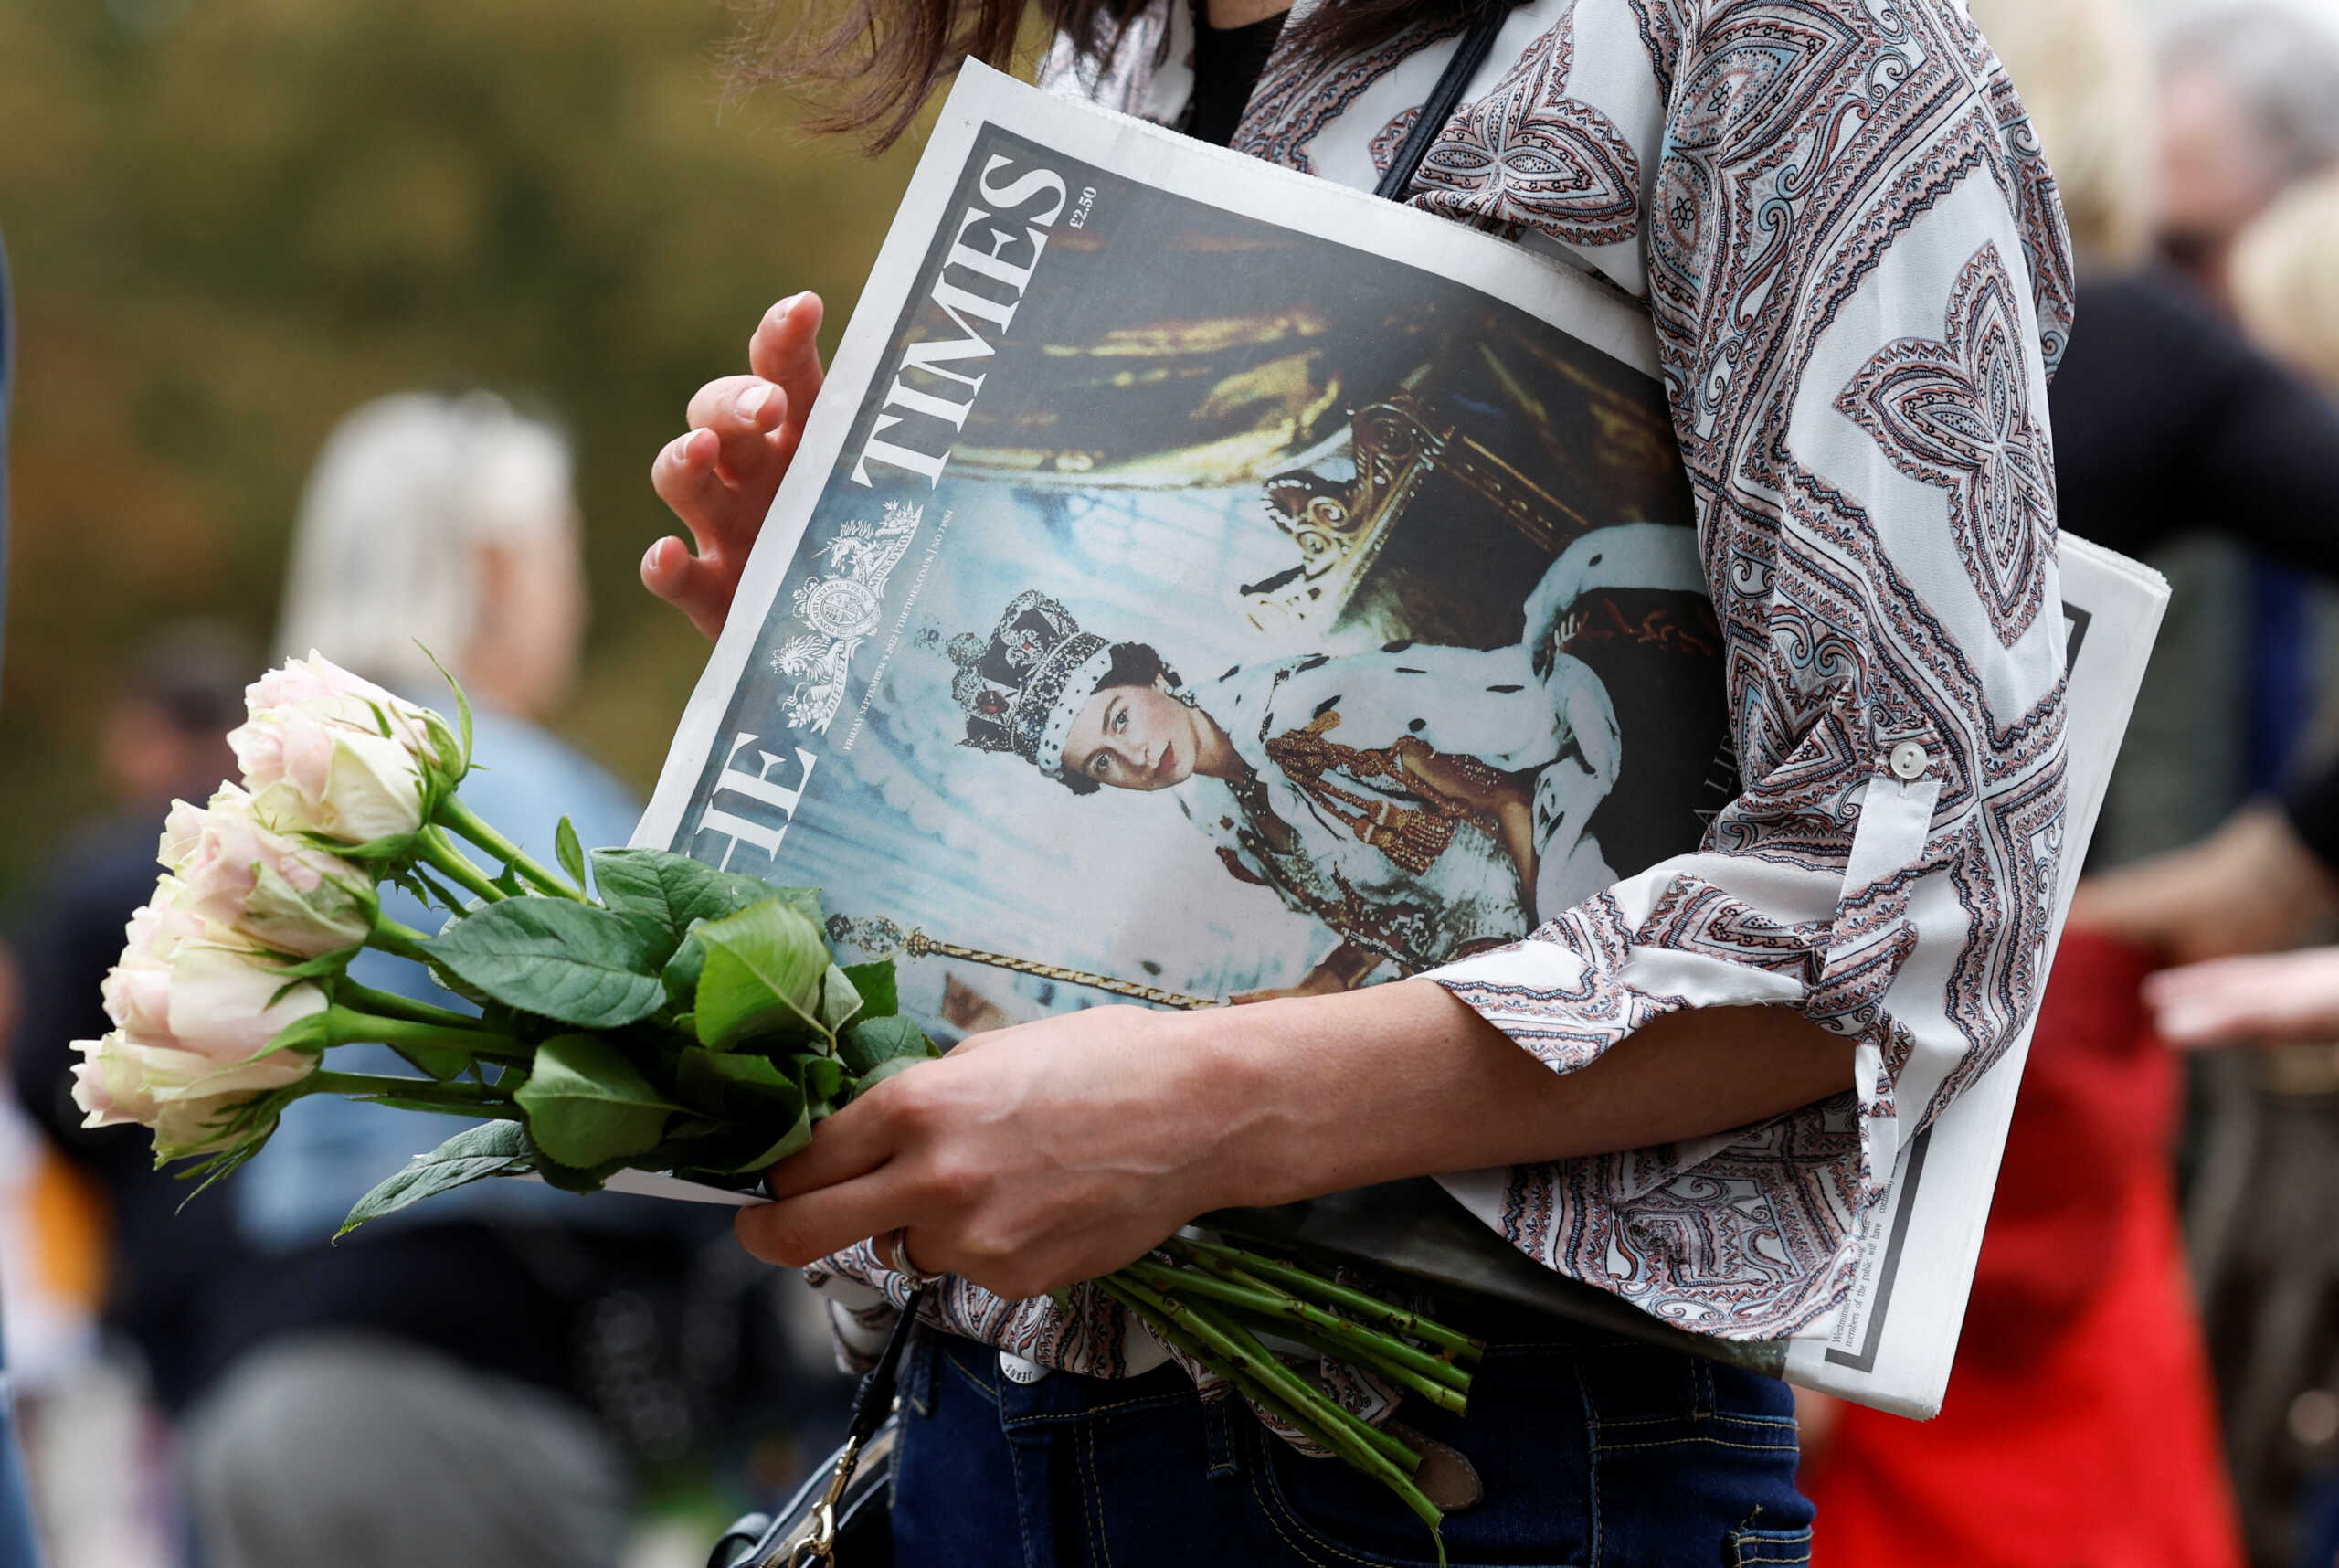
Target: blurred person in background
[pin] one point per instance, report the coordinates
(164, 737)
(2081, 1407)
(2285, 279)
(2246, 110)
(2249, 106)
(453, 1352)
(2267, 879)
(434, 1358)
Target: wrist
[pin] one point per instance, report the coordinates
(1305, 1096)
(1235, 1075)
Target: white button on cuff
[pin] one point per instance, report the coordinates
(1909, 761)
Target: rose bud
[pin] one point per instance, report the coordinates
(288, 896)
(315, 756)
(188, 1101)
(189, 984)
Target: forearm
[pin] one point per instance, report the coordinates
(1323, 1094)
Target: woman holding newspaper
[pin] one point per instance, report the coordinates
(1699, 1078)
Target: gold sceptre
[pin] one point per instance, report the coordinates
(883, 938)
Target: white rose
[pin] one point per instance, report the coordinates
(286, 894)
(189, 1101)
(314, 752)
(190, 984)
(340, 784)
(328, 694)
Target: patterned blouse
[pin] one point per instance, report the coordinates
(1837, 215)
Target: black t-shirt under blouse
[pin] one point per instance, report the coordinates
(1228, 62)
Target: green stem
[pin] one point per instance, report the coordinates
(1338, 1434)
(1299, 1282)
(390, 1005)
(1444, 1397)
(437, 851)
(458, 817)
(1232, 1345)
(399, 942)
(1359, 1350)
(346, 1026)
(463, 1099)
(1229, 1285)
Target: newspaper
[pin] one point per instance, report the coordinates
(1172, 603)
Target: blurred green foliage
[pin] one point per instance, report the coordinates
(231, 221)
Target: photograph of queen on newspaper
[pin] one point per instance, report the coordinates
(1388, 588)
(1423, 802)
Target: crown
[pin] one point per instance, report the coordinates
(1022, 688)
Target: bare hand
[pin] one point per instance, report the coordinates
(1025, 1160)
(2283, 996)
(2249, 887)
(720, 476)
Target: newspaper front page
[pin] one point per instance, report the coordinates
(1197, 580)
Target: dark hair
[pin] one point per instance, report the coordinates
(1134, 664)
(193, 673)
(873, 63)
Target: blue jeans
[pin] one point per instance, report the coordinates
(1594, 1453)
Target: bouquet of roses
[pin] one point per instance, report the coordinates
(634, 1010)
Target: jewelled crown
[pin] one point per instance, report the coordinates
(1023, 687)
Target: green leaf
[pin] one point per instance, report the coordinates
(588, 1105)
(510, 881)
(736, 1085)
(822, 1075)
(312, 1032)
(576, 1179)
(746, 1095)
(462, 708)
(492, 1148)
(323, 966)
(881, 991)
(568, 962)
(805, 901)
(681, 974)
(871, 1045)
(788, 1143)
(430, 890)
(663, 894)
(840, 1002)
(570, 851)
(441, 1064)
(763, 974)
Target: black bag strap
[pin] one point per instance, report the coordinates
(873, 1400)
(1439, 107)
(807, 1528)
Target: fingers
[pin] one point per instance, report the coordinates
(807, 1227)
(720, 476)
(744, 413)
(853, 1142)
(786, 350)
(688, 583)
(684, 476)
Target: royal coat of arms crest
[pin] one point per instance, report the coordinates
(839, 610)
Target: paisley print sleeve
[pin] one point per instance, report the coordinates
(1860, 276)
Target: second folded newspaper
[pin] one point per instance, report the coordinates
(1199, 582)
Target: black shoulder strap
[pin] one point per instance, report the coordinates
(1444, 98)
